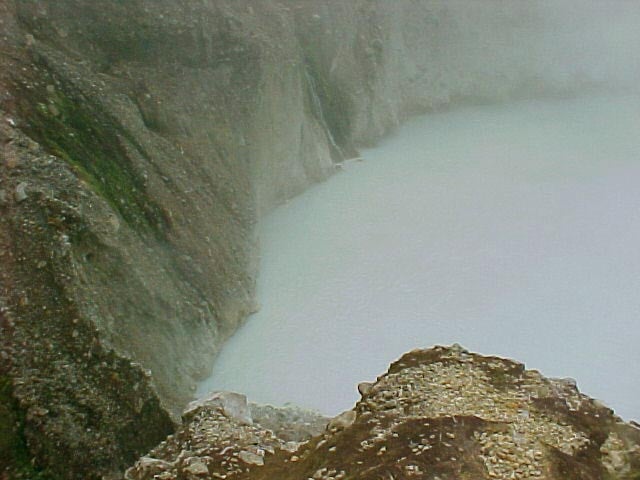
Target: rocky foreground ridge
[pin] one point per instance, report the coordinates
(442, 413)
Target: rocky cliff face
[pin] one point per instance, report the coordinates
(441, 413)
(141, 140)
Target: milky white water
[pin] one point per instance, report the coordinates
(513, 230)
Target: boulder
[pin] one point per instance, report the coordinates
(232, 405)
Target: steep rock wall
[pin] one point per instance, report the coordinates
(141, 141)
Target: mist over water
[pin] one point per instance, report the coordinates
(512, 230)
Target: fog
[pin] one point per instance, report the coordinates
(592, 39)
(501, 48)
(510, 228)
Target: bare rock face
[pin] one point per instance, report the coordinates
(130, 136)
(440, 413)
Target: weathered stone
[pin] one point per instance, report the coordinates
(364, 388)
(147, 467)
(196, 466)
(291, 446)
(21, 192)
(251, 458)
(233, 405)
(453, 411)
(342, 421)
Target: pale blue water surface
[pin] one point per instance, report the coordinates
(513, 230)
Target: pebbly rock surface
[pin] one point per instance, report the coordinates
(437, 414)
(224, 436)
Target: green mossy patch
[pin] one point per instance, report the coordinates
(80, 131)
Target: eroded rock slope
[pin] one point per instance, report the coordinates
(442, 413)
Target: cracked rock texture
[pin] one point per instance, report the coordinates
(140, 140)
(442, 413)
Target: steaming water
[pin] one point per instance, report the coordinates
(512, 230)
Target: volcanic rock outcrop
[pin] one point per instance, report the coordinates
(442, 413)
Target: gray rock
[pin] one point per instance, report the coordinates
(147, 466)
(21, 192)
(364, 388)
(232, 405)
(251, 458)
(291, 446)
(196, 467)
(342, 421)
(569, 382)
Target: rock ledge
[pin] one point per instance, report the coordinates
(442, 413)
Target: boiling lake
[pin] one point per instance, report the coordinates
(513, 230)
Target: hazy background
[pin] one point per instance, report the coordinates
(491, 50)
(511, 228)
